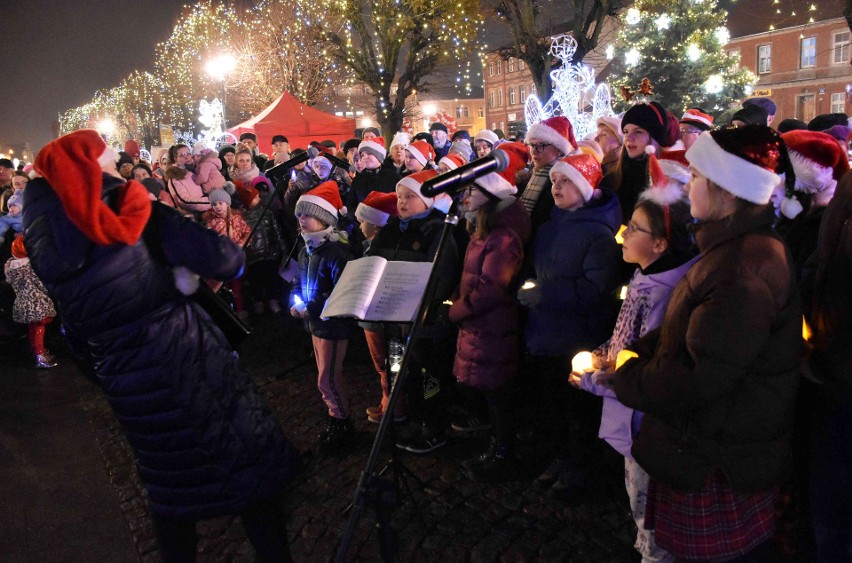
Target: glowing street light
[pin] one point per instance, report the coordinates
(105, 127)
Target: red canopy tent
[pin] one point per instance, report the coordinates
(301, 124)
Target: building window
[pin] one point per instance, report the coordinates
(520, 64)
(764, 59)
(491, 98)
(840, 47)
(480, 111)
(500, 97)
(805, 107)
(523, 94)
(808, 58)
(838, 103)
(512, 96)
(491, 69)
(502, 128)
(499, 67)
(510, 65)
(493, 126)
(462, 112)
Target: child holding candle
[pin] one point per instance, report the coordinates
(657, 240)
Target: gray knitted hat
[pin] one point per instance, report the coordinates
(218, 195)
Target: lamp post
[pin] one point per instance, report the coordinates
(106, 127)
(218, 68)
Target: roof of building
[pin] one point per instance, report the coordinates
(748, 17)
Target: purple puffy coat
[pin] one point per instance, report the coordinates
(487, 351)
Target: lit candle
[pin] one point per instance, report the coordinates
(582, 362)
(529, 284)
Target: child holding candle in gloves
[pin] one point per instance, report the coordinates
(321, 262)
(576, 262)
(657, 240)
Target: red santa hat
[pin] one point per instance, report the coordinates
(323, 203)
(72, 166)
(414, 181)
(698, 119)
(666, 181)
(377, 208)
(131, 147)
(583, 170)
(675, 166)
(502, 184)
(743, 161)
(557, 131)
(817, 160)
(375, 147)
(453, 161)
(422, 151)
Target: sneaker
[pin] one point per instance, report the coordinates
(428, 440)
(45, 361)
(470, 423)
(374, 411)
(376, 418)
(274, 306)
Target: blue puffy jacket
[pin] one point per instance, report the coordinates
(205, 442)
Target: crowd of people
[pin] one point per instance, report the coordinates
(644, 288)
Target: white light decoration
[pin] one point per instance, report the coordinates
(722, 35)
(714, 84)
(633, 16)
(221, 66)
(632, 57)
(663, 22)
(693, 52)
(574, 91)
(210, 116)
(610, 52)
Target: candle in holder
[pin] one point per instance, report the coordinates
(582, 362)
(529, 284)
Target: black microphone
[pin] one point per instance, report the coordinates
(278, 171)
(456, 180)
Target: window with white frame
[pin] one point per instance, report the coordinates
(491, 98)
(521, 64)
(499, 67)
(510, 65)
(480, 111)
(491, 69)
(512, 96)
(499, 97)
(838, 103)
(523, 94)
(808, 58)
(764, 59)
(840, 47)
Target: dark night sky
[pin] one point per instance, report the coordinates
(57, 53)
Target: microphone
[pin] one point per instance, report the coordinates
(278, 171)
(456, 180)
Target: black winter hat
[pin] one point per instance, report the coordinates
(650, 116)
(438, 126)
(791, 124)
(752, 115)
(827, 121)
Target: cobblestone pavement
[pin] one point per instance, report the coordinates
(448, 518)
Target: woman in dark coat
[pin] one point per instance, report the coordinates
(717, 382)
(205, 443)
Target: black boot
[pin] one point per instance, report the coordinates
(337, 436)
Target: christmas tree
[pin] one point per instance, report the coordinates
(679, 46)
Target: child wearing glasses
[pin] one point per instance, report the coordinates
(571, 308)
(656, 240)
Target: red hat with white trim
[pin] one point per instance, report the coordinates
(414, 181)
(743, 161)
(666, 182)
(375, 147)
(323, 203)
(556, 131)
(583, 170)
(817, 160)
(377, 208)
(453, 161)
(422, 151)
(698, 119)
(502, 184)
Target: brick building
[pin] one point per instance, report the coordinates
(800, 54)
(507, 85)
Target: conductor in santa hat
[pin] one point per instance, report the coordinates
(119, 268)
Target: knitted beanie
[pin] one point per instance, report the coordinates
(650, 116)
(218, 195)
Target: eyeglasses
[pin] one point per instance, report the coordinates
(183, 154)
(632, 228)
(469, 192)
(538, 147)
(689, 131)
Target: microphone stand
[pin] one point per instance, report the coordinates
(373, 490)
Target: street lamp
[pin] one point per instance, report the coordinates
(218, 68)
(105, 127)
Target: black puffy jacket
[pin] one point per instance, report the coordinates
(319, 272)
(204, 441)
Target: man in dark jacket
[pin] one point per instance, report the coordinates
(205, 443)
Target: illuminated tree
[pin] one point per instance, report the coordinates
(142, 107)
(678, 46)
(528, 19)
(392, 46)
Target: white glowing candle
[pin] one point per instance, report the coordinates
(582, 362)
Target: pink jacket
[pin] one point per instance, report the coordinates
(208, 172)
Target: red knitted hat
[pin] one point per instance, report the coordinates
(377, 208)
(422, 151)
(502, 184)
(72, 165)
(557, 131)
(247, 194)
(131, 147)
(817, 160)
(583, 170)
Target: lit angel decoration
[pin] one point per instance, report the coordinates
(210, 116)
(575, 94)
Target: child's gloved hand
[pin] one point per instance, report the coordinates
(529, 295)
(230, 188)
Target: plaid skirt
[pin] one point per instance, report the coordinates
(713, 524)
